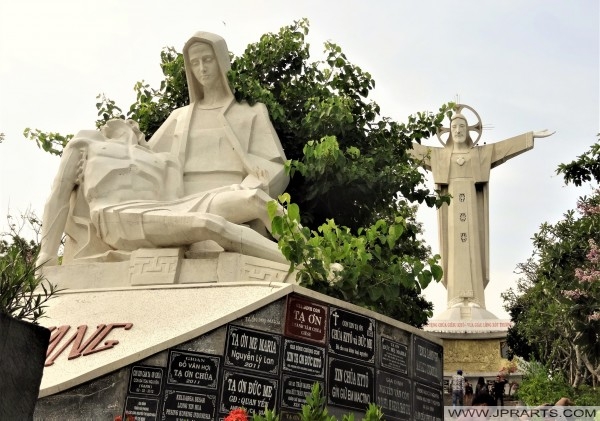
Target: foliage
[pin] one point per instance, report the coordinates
(586, 395)
(337, 263)
(310, 101)
(53, 143)
(347, 162)
(315, 408)
(23, 292)
(539, 387)
(561, 288)
(583, 169)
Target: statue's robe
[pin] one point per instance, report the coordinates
(464, 224)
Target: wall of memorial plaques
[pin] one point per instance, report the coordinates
(272, 357)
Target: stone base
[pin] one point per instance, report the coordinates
(466, 313)
(154, 301)
(167, 267)
(196, 351)
(473, 342)
(467, 321)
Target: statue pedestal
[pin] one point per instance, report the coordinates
(474, 342)
(163, 337)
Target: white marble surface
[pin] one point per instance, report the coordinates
(162, 317)
(206, 174)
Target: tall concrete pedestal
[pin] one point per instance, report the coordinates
(474, 341)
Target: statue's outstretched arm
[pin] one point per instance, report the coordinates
(543, 133)
(509, 148)
(421, 153)
(56, 210)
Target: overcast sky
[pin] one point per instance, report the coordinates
(523, 65)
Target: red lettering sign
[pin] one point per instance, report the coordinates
(81, 347)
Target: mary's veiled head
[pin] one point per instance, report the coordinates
(221, 56)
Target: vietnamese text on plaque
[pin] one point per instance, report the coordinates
(351, 335)
(301, 358)
(428, 360)
(350, 385)
(252, 350)
(193, 369)
(244, 390)
(394, 396)
(306, 320)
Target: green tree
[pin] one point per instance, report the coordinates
(347, 163)
(585, 168)
(561, 288)
(23, 292)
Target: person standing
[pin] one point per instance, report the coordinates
(457, 383)
(481, 387)
(468, 393)
(499, 385)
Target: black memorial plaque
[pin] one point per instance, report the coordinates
(142, 408)
(351, 335)
(269, 318)
(394, 356)
(146, 380)
(244, 390)
(192, 406)
(294, 391)
(428, 360)
(428, 403)
(393, 396)
(253, 350)
(289, 416)
(306, 320)
(193, 369)
(303, 359)
(350, 385)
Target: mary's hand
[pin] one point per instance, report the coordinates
(258, 180)
(543, 133)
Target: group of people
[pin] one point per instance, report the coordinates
(463, 393)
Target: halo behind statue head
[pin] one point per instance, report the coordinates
(477, 127)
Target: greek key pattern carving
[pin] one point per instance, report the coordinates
(264, 274)
(153, 264)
